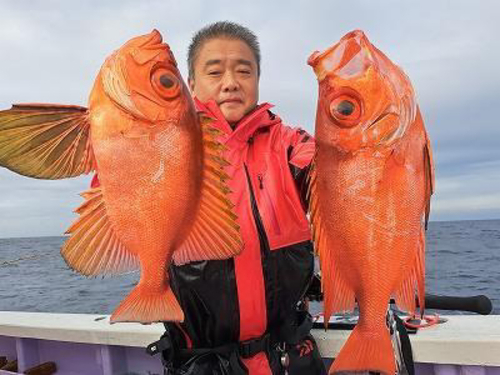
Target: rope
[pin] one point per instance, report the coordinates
(28, 257)
(429, 320)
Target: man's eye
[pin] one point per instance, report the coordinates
(244, 71)
(214, 73)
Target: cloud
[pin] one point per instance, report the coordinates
(52, 51)
(471, 192)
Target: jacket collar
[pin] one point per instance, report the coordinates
(259, 118)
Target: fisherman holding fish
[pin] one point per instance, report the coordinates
(201, 188)
(204, 190)
(241, 313)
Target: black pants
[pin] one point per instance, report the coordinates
(302, 358)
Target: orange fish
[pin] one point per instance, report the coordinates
(163, 192)
(370, 188)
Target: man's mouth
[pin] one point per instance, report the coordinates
(232, 100)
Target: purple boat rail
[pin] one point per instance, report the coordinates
(81, 344)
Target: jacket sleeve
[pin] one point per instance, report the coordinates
(95, 181)
(300, 151)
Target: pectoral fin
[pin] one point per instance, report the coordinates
(46, 141)
(215, 232)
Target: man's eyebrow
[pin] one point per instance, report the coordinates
(218, 61)
(212, 62)
(244, 62)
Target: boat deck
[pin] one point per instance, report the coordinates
(88, 344)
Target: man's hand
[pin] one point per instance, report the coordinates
(314, 292)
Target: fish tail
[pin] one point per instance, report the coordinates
(363, 352)
(145, 306)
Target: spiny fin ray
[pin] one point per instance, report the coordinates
(215, 232)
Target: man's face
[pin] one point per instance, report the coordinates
(225, 70)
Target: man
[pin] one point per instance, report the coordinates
(241, 313)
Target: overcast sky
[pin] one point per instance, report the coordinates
(51, 51)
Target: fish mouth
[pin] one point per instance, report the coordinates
(154, 38)
(153, 41)
(349, 57)
(149, 46)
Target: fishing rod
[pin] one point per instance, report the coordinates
(480, 304)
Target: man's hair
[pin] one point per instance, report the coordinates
(222, 29)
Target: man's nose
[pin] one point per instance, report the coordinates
(229, 82)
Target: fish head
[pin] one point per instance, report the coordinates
(365, 100)
(142, 81)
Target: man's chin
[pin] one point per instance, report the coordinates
(232, 117)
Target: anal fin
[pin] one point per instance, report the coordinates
(414, 280)
(93, 247)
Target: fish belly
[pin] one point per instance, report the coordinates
(150, 190)
(372, 207)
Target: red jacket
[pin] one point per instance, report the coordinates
(243, 298)
(261, 150)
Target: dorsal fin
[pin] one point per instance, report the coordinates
(215, 232)
(47, 141)
(93, 247)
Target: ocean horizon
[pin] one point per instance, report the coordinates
(462, 259)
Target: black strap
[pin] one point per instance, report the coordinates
(314, 292)
(292, 331)
(249, 348)
(245, 349)
(405, 345)
(164, 343)
(296, 328)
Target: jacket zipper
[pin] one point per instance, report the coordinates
(270, 205)
(264, 242)
(261, 184)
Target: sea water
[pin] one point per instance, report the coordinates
(462, 259)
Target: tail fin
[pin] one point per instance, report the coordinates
(364, 353)
(144, 306)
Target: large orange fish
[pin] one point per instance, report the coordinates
(162, 194)
(370, 188)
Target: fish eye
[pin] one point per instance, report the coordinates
(345, 107)
(345, 110)
(165, 83)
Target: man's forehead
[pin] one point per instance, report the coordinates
(217, 50)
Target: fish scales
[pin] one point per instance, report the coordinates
(160, 168)
(371, 183)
